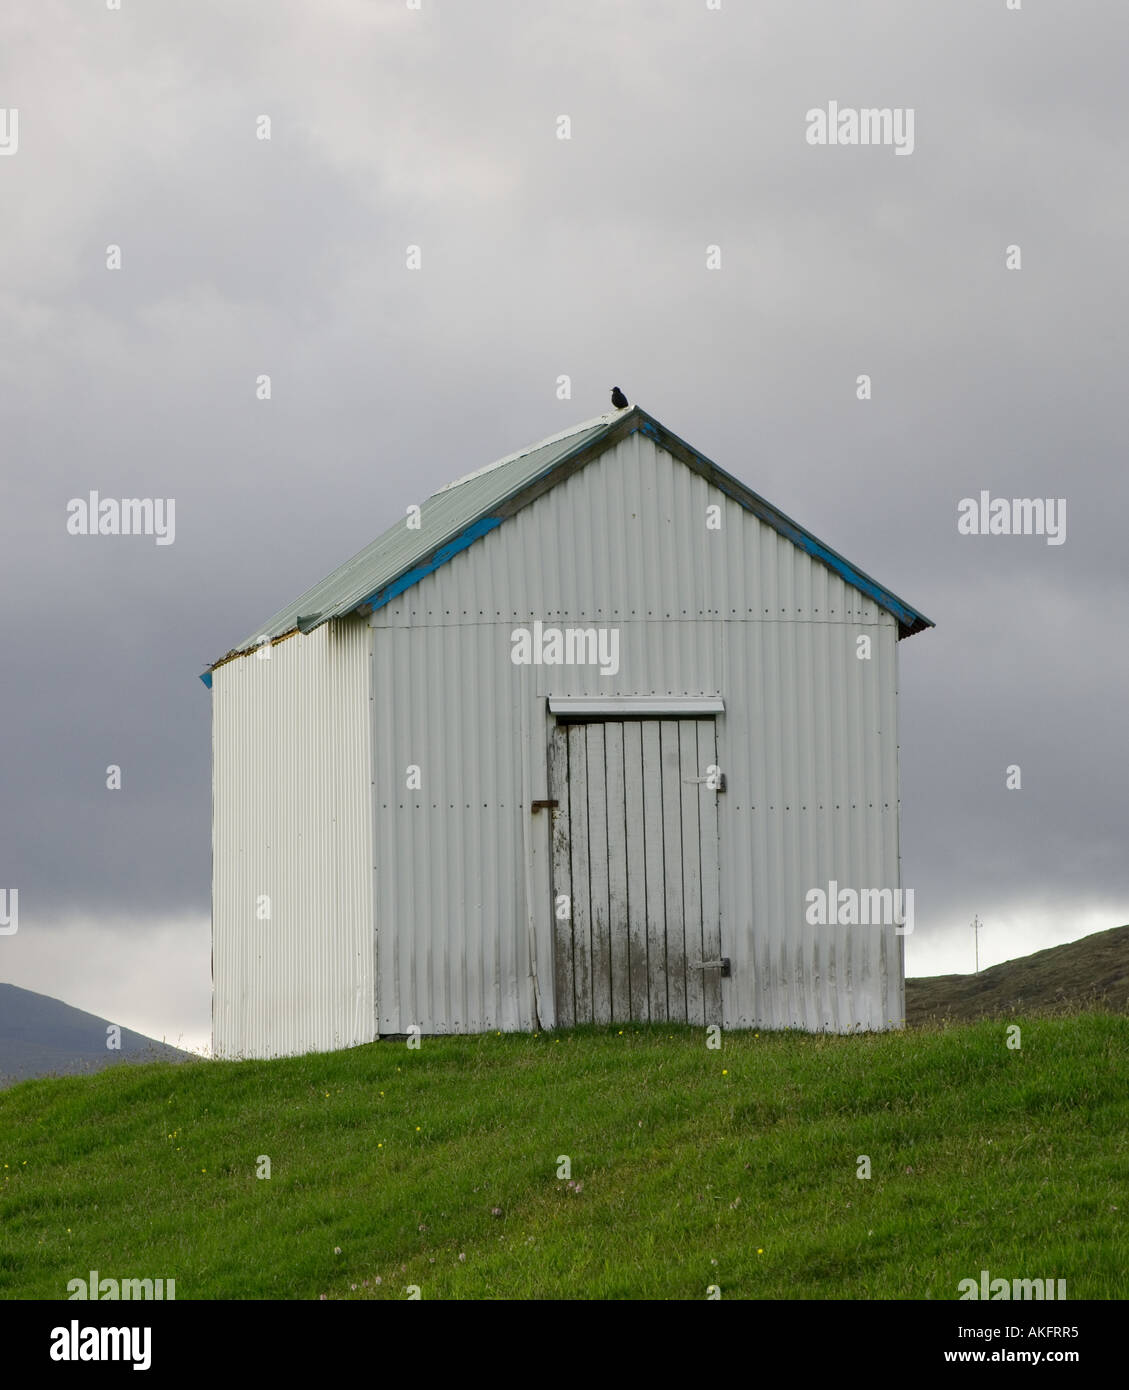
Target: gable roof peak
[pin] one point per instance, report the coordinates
(455, 516)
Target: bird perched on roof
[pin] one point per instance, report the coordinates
(619, 400)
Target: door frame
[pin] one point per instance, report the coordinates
(570, 710)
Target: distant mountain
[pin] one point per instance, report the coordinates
(41, 1036)
(1090, 973)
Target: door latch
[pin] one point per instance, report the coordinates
(715, 781)
(724, 965)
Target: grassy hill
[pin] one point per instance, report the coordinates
(1090, 973)
(437, 1168)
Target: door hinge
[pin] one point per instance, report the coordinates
(544, 805)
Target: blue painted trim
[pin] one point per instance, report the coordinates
(909, 618)
(441, 556)
(207, 679)
(883, 597)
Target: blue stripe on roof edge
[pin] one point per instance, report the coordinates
(908, 617)
(380, 597)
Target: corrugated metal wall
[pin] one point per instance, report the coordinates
(808, 742)
(291, 758)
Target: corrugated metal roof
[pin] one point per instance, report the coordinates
(446, 518)
(455, 516)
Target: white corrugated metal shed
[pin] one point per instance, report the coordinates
(379, 760)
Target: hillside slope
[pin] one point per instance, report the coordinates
(444, 1168)
(1092, 972)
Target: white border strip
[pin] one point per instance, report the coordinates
(531, 448)
(636, 704)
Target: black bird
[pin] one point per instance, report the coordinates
(619, 400)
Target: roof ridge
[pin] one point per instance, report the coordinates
(605, 419)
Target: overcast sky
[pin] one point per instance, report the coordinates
(541, 257)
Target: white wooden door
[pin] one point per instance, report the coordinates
(635, 871)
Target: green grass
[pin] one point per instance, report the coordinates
(734, 1167)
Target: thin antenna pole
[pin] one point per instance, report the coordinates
(976, 924)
